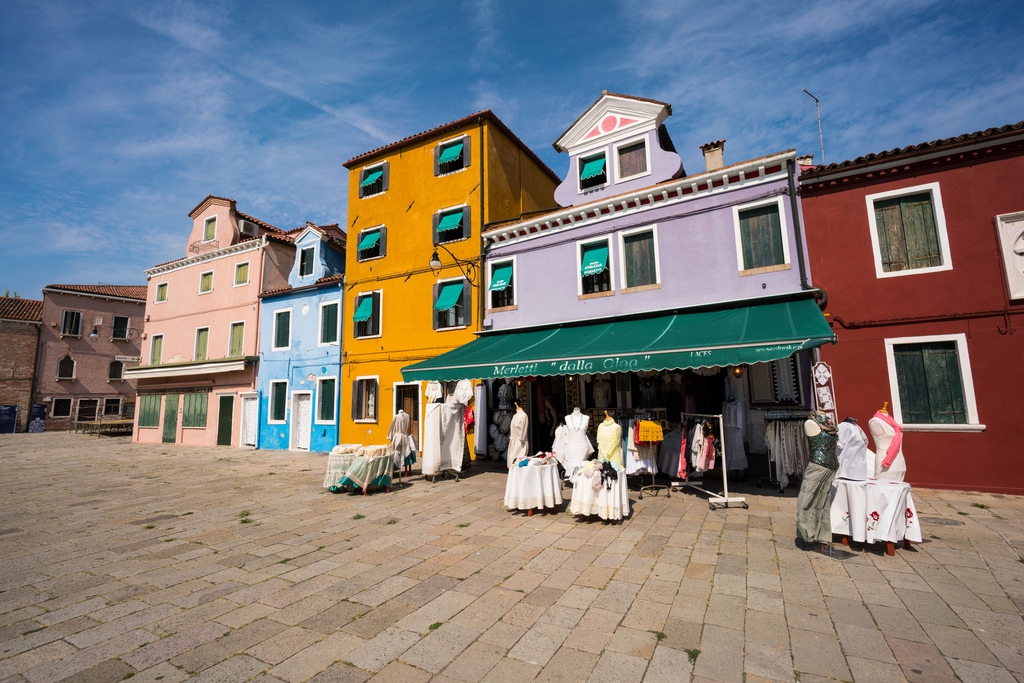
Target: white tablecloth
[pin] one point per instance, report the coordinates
(874, 511)
(605, 503)
(533, 486)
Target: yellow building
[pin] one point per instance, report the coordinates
(414, 287)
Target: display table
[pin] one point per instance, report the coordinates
(533, 487)
(609, 504)
(366, 471)
(338, 461)
(879, 511)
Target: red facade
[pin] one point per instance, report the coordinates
(964, 303)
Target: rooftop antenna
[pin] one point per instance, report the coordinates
(817, 109)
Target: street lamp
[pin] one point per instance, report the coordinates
(467, 268)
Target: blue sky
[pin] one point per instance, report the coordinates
(117, 118)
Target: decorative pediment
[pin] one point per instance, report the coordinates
(612, 116)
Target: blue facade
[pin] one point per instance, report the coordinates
(300, 348)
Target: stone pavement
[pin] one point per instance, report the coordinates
(165, 563)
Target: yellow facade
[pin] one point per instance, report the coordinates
(509, 182)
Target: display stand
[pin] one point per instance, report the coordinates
(714, 499)
(775, 415)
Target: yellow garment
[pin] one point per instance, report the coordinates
(609, 443)
(650, 431)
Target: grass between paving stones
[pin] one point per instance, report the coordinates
(436, 625)
(149, 526)
(357, 516)
(692, 654)
(245, 517)
(392, 521)
(980, 506)
(658, 634)
(464, 525)
(963, 513)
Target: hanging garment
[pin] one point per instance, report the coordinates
(453, 435)
(696, 445)
(483, 429)
(853, 451)
(732, 423)
(813, 521)
(560, 446)
(431, 439)
(683, 452)
(402, 444)
(609, 444)
(706, 461)
(668, 454)
(517, 444)
(641, 457)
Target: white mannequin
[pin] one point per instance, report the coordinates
(853, 453)
(811, 428)
(577, 446)
(517, 444)
(882, 434)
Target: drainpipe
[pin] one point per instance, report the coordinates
(796, 225)
(482, 276)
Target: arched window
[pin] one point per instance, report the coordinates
(66, 368)
(115, 370)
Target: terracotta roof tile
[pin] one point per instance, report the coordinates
(915, 150)
(257, 221)
(485, 113)
(123, 291)
(330, 279)
(173, 260)
(12, 308)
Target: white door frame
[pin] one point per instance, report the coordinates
(293, 418)
(244, 396)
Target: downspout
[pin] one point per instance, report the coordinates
(482, 274)
(794, 207)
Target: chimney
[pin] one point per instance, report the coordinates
(805, 160)
(714, 154)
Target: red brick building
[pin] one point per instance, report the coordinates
(19, 335)
(89, 335)
(921, 252)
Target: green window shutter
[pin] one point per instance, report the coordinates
(237, 338)
(918, 218)
(157, 350)
(282, 329)
(210, 229)
(329, 324)
(149, 411)
(278, 396)
(501, 277)
(241, 273)
(356, 400)
(594, 259)
(306, 262)
(913, 384)
(119, 330)
(945, 389)
(892, 245)
(202, 343)
(326, 407)
(761, 234)
(194, 410)
(640, 260)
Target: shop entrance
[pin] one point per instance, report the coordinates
(407, 398)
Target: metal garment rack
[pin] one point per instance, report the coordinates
(714, 499)
(775, 416)
(653, 486)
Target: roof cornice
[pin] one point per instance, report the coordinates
(91, 295)
(239, 248)
(668, 193)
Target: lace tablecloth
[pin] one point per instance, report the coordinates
(533, 486)
(877, 511)
(605, 503)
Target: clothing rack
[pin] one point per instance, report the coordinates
(776, 416)
(714, 499)
(653, 486)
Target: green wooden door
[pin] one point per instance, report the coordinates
(227, 407)
(170, 418)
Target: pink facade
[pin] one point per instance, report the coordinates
(200, 350)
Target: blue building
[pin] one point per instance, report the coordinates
(300, 346)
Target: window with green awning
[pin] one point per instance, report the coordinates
(592, 171)
(364, 310)
(450, 153)
(371, 178)
(369, 240)
(368, 315)
(448, 296)
(595, 259)
(450, 221)
(450, 304)
(501, 277)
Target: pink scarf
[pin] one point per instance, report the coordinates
(897, 441)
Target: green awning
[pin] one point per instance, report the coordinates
(365, 309)
(450, 153)
(595, 259)
(371, 178)
(594, 167)
(448, 296)
(501, 278)
(733, 336)
(369, 240)
(449, 221)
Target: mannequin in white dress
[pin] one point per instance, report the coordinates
(882, 433)
(853, 452)
(517, 443)
(578, 446)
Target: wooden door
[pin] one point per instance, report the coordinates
(170, 418)
(227, 408)
(250, 418)
(302, 413)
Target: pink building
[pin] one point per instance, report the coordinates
(197, 384)
(90, 336)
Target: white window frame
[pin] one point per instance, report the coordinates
(626, 143)
(312, 266)
(440, 284)
(783, 228)
(71, 408)
(152, 341)
(449, 141)
(622, 235)
(363, 172)
(320, 323)
(127, 327)
(156, 292)
(270, 401)
(316, 400)
(195, 346)
(81, 323)
(940, 229)
(966, 380)
(355, 307)
(209, 291)
(227, 351)
(579, 264)
(376, 419)
(577, 170)
(205, 221)
(273, 331)
(359, 237)
(235, 281)
(78, 408)
(119, 404)
(466, 234)
(491, 265)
